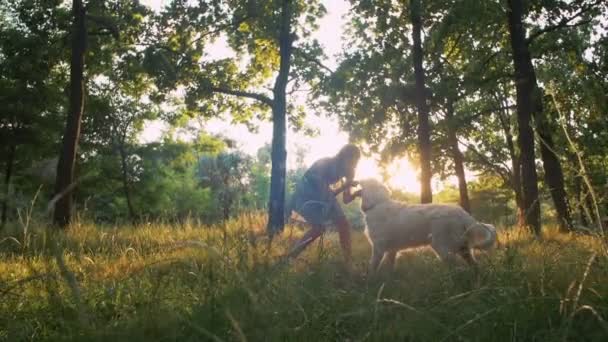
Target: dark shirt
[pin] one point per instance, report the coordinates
(325, 175)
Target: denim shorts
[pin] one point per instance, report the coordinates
(316, 205)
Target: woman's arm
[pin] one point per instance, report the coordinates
(350, 196)
(345, 186)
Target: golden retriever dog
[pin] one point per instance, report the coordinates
(393, 226)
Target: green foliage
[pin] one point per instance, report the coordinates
(163, 182)
(227, 175)
(178, 56)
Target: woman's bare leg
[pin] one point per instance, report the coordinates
(310, 236)
(343, 228)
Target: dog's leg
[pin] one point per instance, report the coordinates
(374, 262)
(467, 254)
(444, 252)
(446, 256)
(389, 259)
(445, 244)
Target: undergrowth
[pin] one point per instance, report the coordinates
(222, 283)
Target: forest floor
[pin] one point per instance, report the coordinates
(190, 282)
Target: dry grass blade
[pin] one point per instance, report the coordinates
(74, 288)
(299, 327)
(10, 238)
(376, 305)
(421, 313)
(22, 282)
(236, 327)
(204, 332)
(469, 322)
(577, 296)
(225, 260)
(468, 293)
(596, 314)
(583, 169)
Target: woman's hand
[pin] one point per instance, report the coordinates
(348, 196)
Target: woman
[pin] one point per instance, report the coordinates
(315, 198)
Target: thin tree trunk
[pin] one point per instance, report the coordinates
(125, 182)
(225, 199)
(276, 207)
(503, 115)
(457, 156)
(554, 176)
(67, 157)
(588, 208)
(525, 84)
(516, 185)
(424, 140)
(227, 207)
(8, 171)
(579, 201)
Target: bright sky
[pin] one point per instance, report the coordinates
(330, 138)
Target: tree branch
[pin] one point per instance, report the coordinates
(565, 22)
(220, 28)
(562, 24)
(106, 23)
(489, 111)
(312, 60)
(503, 173)
(259, 97)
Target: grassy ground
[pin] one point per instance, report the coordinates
(189, 282)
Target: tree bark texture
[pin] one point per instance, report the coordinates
(458, 157)
(125, 181)
(67, 157)
(515, 179)
(424, 140)
(525, 85)
(554, 176)
(276, 207)
(8, 171)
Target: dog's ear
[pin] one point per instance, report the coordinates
(490, 226)
(365, 192)
(382, 187)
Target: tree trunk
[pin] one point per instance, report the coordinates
(67, 157)
(10, 160)
(424, 140)
(588, 208)
(125, 182)
(516, 185)
(525, 84)
(227, 208)
(276, 206)
(554, 176)
(505, 122)
(579, 201)
(457, 156)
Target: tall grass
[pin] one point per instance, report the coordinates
(221, 283)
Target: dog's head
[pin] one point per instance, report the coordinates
(373, 192)
(482, 236)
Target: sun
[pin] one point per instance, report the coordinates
(401, 174)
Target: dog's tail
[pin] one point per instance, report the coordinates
(481, 236)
